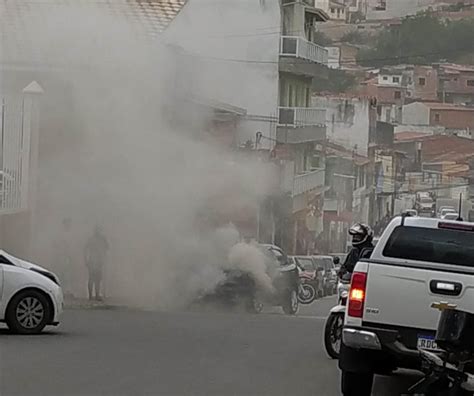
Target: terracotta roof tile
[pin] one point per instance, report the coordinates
(440, 148)
(147, 18)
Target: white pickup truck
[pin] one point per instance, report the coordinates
(416, 263)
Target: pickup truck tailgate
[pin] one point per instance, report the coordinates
(402, 296)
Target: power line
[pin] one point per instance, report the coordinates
(300, 60)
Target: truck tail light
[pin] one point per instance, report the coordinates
(357, 294)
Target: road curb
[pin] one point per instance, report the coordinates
(93, 305)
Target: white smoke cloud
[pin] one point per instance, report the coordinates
(248, 258)
(113, 159)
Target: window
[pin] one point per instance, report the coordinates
(279, 255)
(470, 83)
(396, 80)
(385, 78)
(290, 96)
(316, 161)
(409, 94)
(333, 10)
(397, 95)
(435, 245)
(422, 81)
(305, 263)
(437, 117)
(4, 260)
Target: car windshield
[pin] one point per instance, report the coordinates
(451, 216)
(438, 245)
(306, 263)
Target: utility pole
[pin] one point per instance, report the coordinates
(395, 186)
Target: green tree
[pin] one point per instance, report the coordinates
(337, 81)
(420, 39)
(355, 37)
(322, 39)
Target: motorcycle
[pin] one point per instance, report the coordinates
(307, 290)
(335, 320)
(449, 372)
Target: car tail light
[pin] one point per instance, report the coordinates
(357, 294)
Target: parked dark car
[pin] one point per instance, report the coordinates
(241, 287)
(325, 264)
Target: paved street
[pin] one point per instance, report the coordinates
(111, 352)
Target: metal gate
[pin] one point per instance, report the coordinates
(15, 137)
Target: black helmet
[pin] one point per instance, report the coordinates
(361, 233)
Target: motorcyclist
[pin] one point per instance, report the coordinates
(362, 236)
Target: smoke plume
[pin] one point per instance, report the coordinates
(110, 156)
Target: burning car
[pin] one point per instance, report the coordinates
(258, 275)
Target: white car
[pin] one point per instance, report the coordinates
(450, 216)
(444, 210)
(30, 295)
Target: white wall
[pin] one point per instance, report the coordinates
(415, 114)
(334, 57)
(387, 79)
(322, 4)
(429, 130)
(351, 131)
(231, 38)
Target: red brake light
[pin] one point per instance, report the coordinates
(456, 226)
(357, 294)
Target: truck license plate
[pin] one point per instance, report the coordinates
(428, 343)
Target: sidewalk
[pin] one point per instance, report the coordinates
(71, 302)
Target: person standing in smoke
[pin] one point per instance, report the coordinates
(95, 256)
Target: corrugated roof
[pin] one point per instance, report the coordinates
(446, 106)
(341, 151)
(456, 68)
(20, 18)
(447, 148)
(409, 135)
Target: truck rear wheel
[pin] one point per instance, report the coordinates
(356, 384)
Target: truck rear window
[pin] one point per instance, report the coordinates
(435, 245)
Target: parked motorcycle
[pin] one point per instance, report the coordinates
(335, 320)
(449, 372)
(307, 291)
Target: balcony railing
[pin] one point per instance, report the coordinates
(16, 123)
(301, 116)
(298, 47)
(307, 2)
(308, 181)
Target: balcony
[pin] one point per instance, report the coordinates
(301, 116)
(301, 124)
(309, 3)
(298, 47)
(308, 181)
(304, 182)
